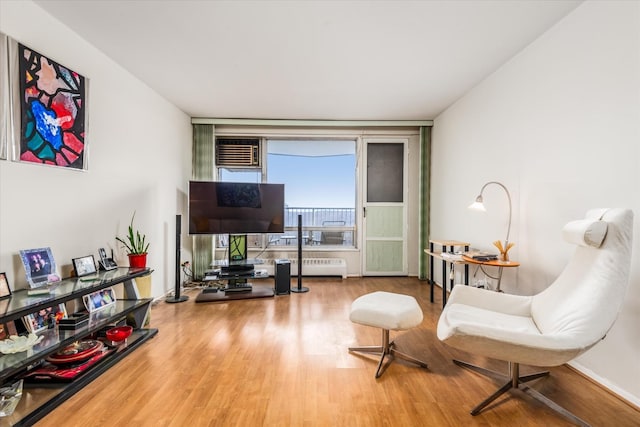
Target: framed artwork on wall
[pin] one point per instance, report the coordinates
(4, 96)
(52, 103)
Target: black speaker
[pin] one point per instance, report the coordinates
(176, 295)
(299, 288)
(282, 275)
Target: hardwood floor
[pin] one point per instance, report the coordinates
(283, 361)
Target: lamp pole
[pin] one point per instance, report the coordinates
(480, 200)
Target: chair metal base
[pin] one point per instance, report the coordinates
(515, 381)
(387, 349)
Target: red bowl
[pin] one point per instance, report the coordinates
(119, 333)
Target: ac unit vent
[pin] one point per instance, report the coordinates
(237, 152)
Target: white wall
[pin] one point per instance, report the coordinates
(559, 125)
(139, 149)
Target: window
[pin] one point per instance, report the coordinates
(320, 186)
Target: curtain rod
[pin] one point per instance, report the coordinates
(316, 123)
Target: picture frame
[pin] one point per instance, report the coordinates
(45, 318)
(49, 128)
(7, 330)
(4, 97)
(99, 300)
(5, 290)
(84, 265)
(40, 266)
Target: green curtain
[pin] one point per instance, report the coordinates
(202, 169)
(425, 185)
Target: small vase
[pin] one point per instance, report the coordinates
(137, 260)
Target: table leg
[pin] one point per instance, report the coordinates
(499, 279)
(466, 269)
(444, 283)
(431, 281)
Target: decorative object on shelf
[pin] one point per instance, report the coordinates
(50, 124)
(10, 396)
(74, 321)
(136, 246)
(40, 266)
(504, 252)
(99, 300)
(76, 352)
(16, 344)
(84, 265)
(479, 205)
(65, 373)
(119, 333)
(5, 290)
(69, 362)
(45, 318)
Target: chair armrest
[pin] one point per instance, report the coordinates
(516, 305)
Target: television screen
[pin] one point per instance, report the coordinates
(235, 208)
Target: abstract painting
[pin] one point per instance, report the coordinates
(4, 96)
(53, 112)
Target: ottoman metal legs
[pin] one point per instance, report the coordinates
(387, 311)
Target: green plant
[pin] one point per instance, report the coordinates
(135, 242)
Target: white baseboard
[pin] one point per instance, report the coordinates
(634, 400)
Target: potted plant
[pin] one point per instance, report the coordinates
(136, 246)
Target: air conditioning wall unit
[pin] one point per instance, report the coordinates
(238, 152)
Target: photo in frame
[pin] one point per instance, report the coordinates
(51, 101)
(5, 290)
(7, 330)
(99, 300)
(39, 266)
(84, 265)
(44, 318)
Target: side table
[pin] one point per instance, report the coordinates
(450, 246)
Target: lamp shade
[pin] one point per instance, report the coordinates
(478, 205)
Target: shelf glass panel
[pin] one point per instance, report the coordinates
(20, 303)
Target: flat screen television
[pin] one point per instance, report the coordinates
(235, 208)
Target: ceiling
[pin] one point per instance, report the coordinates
(323, 60)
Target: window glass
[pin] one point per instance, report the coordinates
(320, 185)
(240, 175)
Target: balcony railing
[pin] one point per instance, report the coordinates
(321, 227)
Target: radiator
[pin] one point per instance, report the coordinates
(311, 267)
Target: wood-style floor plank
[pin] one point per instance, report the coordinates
(283, 361)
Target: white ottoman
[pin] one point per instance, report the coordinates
(387, 311)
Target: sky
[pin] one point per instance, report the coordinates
(309, 181)
(326, 182)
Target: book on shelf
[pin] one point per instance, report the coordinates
(481, 256)
(44, 290)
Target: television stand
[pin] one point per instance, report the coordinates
(239, 288)
(237, 275)
(232, 269)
